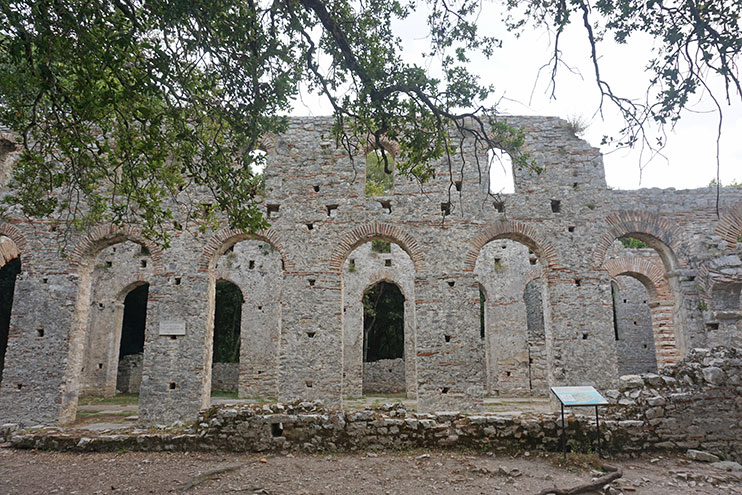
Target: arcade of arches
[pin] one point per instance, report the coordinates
(438, 292)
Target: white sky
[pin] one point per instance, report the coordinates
(689, 159)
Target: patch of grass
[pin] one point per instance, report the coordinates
(117, 400)
(224, 394)
(97, 413)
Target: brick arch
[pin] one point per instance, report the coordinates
(516, 231)
(658, 232)
(642, 269)
(729, 226)
(19, 246)
(652, 276)
(376, 230)
(104, 236)
(390, 278)
(225, 238)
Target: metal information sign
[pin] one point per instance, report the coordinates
(577, 397)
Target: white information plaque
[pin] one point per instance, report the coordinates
(172, 327)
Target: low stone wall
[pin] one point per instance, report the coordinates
(385, 376)
(696, 404)
(224, 377)
(129, 374)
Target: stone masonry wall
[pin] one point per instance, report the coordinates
(385, 376)
(696, 405)
(129, 374)
(225, 377)
(319, 214)
(635, 341)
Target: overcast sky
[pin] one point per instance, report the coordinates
(689, 159)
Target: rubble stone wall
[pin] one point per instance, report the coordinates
(695, 405)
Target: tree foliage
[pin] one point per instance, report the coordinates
(631, 243)
(123, 106)
(378, 181)
(695, 41)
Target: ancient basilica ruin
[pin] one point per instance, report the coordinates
(499, 296)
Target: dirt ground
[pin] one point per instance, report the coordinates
(409, 473)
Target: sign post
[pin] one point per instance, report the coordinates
(576, 397)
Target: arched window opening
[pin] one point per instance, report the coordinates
(500, 165)
(8, 274)
(379, 173)
(635, 348)
(513, 336)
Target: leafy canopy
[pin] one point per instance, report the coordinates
(124, 106)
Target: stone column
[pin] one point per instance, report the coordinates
(311, 353)
(176, 368)
(33, 389)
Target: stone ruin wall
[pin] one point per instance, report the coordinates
(692, 405)
(320, 216)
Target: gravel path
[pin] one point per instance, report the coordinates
(409, 473)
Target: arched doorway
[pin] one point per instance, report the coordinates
(378, 280)
(117, 315)
(131, 347)
(8, 274)
(511, 288)
(643, 289)
(383, 339)
(245, 324)
(227, 341)
(533, 297)
(635, 349)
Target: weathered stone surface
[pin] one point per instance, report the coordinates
(554, 236)
(713, 375)
(731, 466)
(701, 456)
